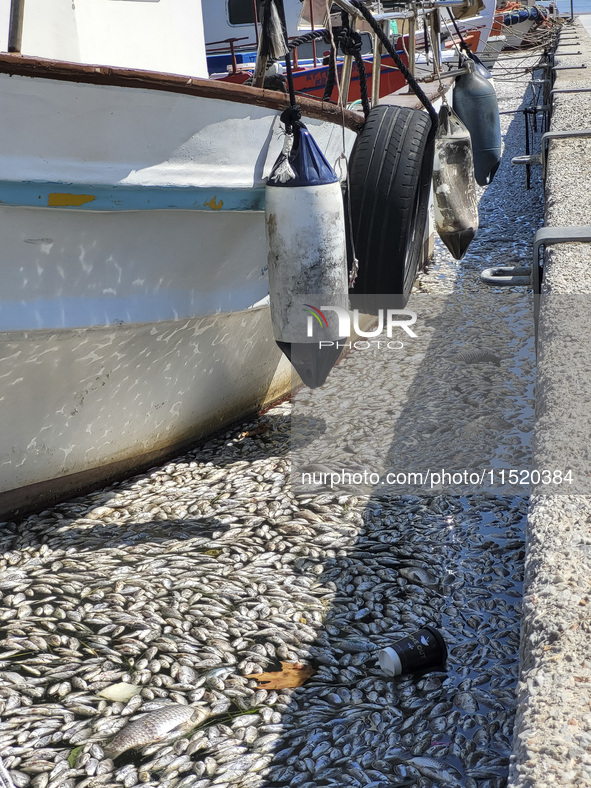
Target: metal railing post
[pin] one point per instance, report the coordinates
(15, 29)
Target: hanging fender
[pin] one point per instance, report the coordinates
(307, 258)
(454, 190)
(475, 103)
(390, 171)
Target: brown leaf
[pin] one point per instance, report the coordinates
(292, 674)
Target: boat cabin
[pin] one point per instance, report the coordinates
(157, 35)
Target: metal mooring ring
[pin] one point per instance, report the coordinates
(507, 276)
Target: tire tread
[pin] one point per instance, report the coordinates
(389, 164)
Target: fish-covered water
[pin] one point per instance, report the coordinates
(132, 620)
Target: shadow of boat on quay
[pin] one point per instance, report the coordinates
(450, 556)
(435, 557)
(420, 556)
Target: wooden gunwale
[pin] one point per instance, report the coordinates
(27, 66)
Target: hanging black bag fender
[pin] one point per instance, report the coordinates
(390, 170)
(475, 103)
(454, 190)
(307, 257)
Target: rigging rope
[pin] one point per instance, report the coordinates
(291, 117)
(331, 76)
(463, 44)
(351, 43)
(308, 37)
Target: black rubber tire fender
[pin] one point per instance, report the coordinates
(390, 171)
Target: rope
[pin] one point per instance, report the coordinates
(307, 37)
(351, 44)
(452, 39)
(362, 83)
(463, 44)
(291, 117)
(331, 75)
(412, 82)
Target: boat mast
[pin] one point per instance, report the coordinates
(15, 29)
(255, 17)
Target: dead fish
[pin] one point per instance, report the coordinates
(5, 778)
(417, 575)
(155, 726)
(219, 673)
(433, 768)
(476, 356)
(355, 645)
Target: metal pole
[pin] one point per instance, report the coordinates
(527, 149)
(411, 44)
(572, 11)
(15, 29)
(260, 67)
(312, 28)
(256, 21)
(435, 43)
(347, 68)
(233, 56)
(376, 69)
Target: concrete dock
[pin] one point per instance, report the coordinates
(552, 737)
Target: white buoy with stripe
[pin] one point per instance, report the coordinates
(307, 257)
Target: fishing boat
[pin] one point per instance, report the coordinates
(134, 316)
(134, 313)
(519, 22)
(232, 38)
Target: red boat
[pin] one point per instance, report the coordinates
(311, 80)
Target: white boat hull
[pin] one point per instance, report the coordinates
(82, 405)
(133, 258)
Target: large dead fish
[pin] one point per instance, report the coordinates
(155, 726)
(5, 778)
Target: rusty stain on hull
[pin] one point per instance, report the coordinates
(63, 200)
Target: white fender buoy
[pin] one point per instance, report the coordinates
(454, 189)
(307, 256)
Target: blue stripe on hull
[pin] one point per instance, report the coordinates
(129, 198)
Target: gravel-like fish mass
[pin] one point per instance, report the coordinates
(179, 584)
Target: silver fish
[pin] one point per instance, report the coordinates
(155, 726)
